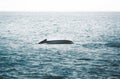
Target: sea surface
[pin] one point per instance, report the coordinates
(95, 53)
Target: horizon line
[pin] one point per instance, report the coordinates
(66, 11)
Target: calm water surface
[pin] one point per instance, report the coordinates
(95, 53)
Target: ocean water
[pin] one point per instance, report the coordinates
(95, 53)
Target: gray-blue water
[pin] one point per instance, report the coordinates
(95, 53)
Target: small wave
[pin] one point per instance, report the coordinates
(53, 77)
(100, 45)
(86, 59)
(113, 44)
(93, 45)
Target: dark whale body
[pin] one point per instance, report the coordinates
(56, 42)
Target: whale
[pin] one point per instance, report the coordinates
(45, 41)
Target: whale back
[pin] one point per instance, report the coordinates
(56, 42)
(59, 42)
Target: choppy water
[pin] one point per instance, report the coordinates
(95, 53)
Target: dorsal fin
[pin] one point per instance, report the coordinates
(44, 41)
